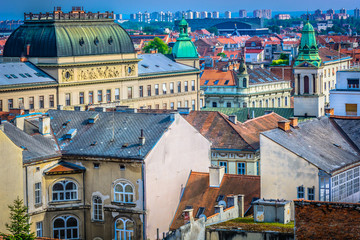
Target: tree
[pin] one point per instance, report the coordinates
(156, 44)
(19, 226)
(213, 30)
(221, 54)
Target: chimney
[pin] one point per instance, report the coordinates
(216, 174)
(240, 202)
(233, 119)
(174, 116)
(20, 122)
(329, 111)
(44, 125)
(284, 125)
(188, 215)
(142, 138)
(294, 122)
(219, 208)
(78, 108)
(100, 109)
(60, 107)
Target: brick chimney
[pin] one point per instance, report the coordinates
(294, 122)
(329, 111)
(44, 125)
(216, 174)
(284, 125)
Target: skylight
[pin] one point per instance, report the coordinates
(206, 82)
(13, 75)
(28, 75)
(7, 76)
(216, 82)
(226, 82)
(22, 75)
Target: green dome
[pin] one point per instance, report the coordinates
(184, 47)
(63, 38)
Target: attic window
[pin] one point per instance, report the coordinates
(170, 65)
(39, 74)
(219, 198)
(157, 66)
(206, 82)
(96, 41)
(71, 134)
(7, 76)
(122, 167)
(110, 40)
(66, 123)
(96, 165)
(226, 82)
(199, 212)
(23, 147)
(28, 75)
(13, 75)
(81, 41)
(22, 75)
(93, 143)
(145, 66)
(188, 207)
(125, 145)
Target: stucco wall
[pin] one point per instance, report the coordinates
(181, 149)
(339, 99)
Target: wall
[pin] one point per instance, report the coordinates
(226, 234)
(180, 150)
(312, 105)
(339, 99)
(233, 158)
(12, 185)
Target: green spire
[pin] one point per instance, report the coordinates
(184, 47)
(308, 49)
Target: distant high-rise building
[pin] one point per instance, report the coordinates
(133, 16)
(330, 11)
(210, 15)
(168, 16)
(146, 17)
(318, 12)
(204, 14)
(266, 13)
(216, 14)
(227, 14)
(343, 10)
(356, 13)
(155, 16)
(118, 16)
(178, 15)
(139, 17)
(257, 13)
(196, 15)
(283, 16)
(242, 13)
(189, 14)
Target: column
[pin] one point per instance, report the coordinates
(301, 84)
(296, 79)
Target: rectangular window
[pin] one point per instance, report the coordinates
(141, 91)
(186, 86)
(351, 109)
(179, 104)
(51, 101)
(129, 92)
(21, 102)
(300, 192)
(38, 193)
(311, 193)
(81, 97)
(99, 96)
(117, 94)
(41, 102)
(201, 103)
(149, 90)
(286, 101)
(200, 211)
(1, 105)
(193, 85)
(186, 103)
(108, 95)
(164, 106)
(164, 88)
(171, 87)
(157, 106)
(172, 106)
(241, 168)
(39, 229)
(179, 87)
(156, 89)
(10, 104)
(324, 189)
(223, 164)
(193, 105)
(31, 102)
(91, 97)
(67, 99)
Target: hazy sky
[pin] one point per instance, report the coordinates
(16, 9)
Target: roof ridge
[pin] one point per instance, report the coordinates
(262, 116)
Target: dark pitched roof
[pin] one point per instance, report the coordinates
(198, 193)
(319, 142)
(351, 128)
(96, 139)
(327, 55)
(261, 75)
(63, 167)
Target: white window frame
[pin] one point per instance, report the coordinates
(98, 208)
(124, 196)
(73, 192)
(39, 229)
(37, 193)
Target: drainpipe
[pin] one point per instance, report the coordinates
(84, 205)
(26, 189)
(144, 207)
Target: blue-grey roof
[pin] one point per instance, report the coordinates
(20, 73)
(96, 139)
(319, 142)
(160, 64)
(36, 146)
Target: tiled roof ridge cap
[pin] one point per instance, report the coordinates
(265, 115)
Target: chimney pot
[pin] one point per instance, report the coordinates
(284, 125)
(142, 138)
(233, 119)
(216, 174)
(294, 122)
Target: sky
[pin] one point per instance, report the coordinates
(15, 10)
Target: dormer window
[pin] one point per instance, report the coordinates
(64, 191)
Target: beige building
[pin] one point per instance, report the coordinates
(87, 59)
(90, 175)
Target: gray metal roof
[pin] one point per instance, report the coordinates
(159, 63)
(351, 127)
(15, 73)
(319, 142)
(96, 139)
(35, 146)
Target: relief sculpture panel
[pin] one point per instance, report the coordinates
(103, 72)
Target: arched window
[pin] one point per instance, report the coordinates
(124, 229)
(244, 82)
(66, 227)
(98, 208)
(64, 191)
(253, 104)
(306, 84)
(123, 192)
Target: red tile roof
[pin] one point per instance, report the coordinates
(254, 50)
(327, 54)
(212, 75)
(198, 193)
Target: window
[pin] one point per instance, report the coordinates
(279, 102)
(64, 191)
(39, 229)
(311, 193)
(81, 98)
(1, 105)
(300, 192)
(186, 103)
(96, 165)
(186, 86)
(351, 109)
(117, 93)
(324, 189)
(244, 83)
(267, 103)
(214, 104)
(129, 92)
(141, 91)
(193, 105)
(10, 104)
(31, 102)
(241, 168)
(306, 84)
(228, 104)
(51, 101)
(37, 193)
(66, 227)
(108, 95)
(201, 103)
(149, 90)
(171, 87)
(123, 192)
(164, 88)
(223, 164)
(206, 82)
(172, 105)
(41, 102)
(286, 101)
(179, 104)
(253, 104)
(156, 89)
(200, 211)
(193, 85)
(179, 87)
(97, 208)
(91, 97)
(272, 102)
(260, 104)
(124, 229)
(21, 102)
(325, 85)
(67, 99)
(99, 97)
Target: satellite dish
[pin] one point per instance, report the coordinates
(202, 216)
(222, 203)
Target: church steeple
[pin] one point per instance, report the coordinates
(308, 49)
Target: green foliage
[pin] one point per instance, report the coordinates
(157, 44)
(148, 28)
(19, 226)
(274, 29)
(284, 56)
(213, 30)
(280, 62)
(221, 54)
